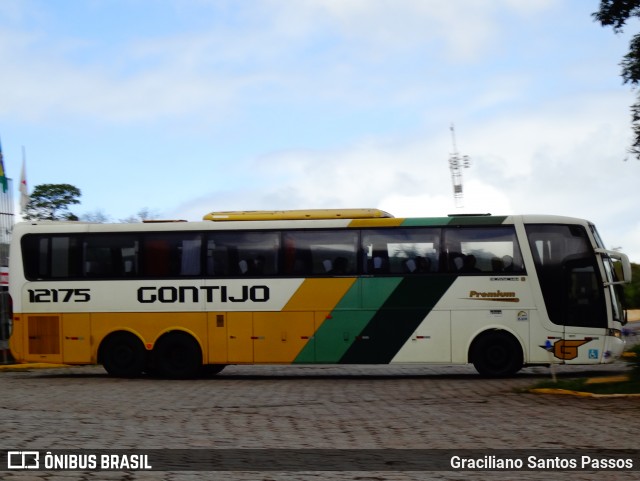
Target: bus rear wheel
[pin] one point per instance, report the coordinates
(496, 354)
(177, 355)
(123, 355)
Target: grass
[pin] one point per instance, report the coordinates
(603, 386)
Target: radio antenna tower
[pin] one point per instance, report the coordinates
(456, 163)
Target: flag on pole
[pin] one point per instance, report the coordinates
(3, 176)
(24, 191)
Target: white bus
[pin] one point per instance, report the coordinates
(304, 287)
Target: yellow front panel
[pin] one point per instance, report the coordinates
(280, 336)
(319, 294)
(240, 337)
(76, 338)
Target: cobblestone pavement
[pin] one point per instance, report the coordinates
(309, 407)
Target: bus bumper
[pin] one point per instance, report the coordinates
(614, 347)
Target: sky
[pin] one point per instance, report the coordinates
(183, 107)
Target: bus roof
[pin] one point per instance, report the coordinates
(267, 220)
(306, 214)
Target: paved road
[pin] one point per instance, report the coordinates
(308, 407)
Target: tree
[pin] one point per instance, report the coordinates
(143, 214)
(615, 13)
(51, 202)
(98, 216)
(632, 290)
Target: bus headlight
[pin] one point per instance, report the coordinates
(614, 333)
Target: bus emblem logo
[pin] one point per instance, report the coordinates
(568, 349)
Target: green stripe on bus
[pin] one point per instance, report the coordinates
(477, 220)
(347, 320)
(397, 319)
(425, 222)
(454, 220)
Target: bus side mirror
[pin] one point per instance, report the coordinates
(624, 261)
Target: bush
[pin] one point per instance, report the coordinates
(632, 290)
(632, 356)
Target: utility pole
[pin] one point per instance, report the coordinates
(456, 164)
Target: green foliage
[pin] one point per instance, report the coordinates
(52, 201)
(615, 13)
(612, 386)
(632, 386)
(632, 356)
(632, 290)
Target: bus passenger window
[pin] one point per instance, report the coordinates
(110, 256)
(401, 251)
(171, 254)
(51, 257)
(231, 254)
(321, 252)
(489, 250)
(340, 266)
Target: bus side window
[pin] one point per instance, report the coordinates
(401, 251)
(34, 256)
(110, 256)
(321, 252)
(489, 250)
(52, 257)
(171, 254)
(231, 254)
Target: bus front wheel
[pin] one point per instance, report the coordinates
(496, 354)
(123, 355)
(177, 355)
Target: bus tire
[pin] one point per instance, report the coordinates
(212, 369)
(177, 355)
(496, 354)
(123, 355)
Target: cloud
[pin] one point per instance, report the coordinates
(459, 31)
(279, 50)
(628, 240)
(564, 158)
(327, 103)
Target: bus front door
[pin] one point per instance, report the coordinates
(573, 292)
(584, 313)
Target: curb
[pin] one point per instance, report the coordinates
(578, 393)
(608, 379)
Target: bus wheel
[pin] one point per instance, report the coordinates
(123, 355)
(496, 354)
(212, 369)
(177, 356)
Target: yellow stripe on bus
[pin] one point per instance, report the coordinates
(307, 214)
(300, 318)
(381, 222)
(319, 294)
